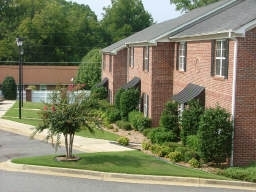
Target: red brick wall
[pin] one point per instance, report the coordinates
(218, 91)
(245, 116)
(157, 82)
(117, 77)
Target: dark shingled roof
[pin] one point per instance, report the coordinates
(191, 91)
(133, 83)
(162, 31)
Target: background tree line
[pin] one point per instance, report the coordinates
(61, 31)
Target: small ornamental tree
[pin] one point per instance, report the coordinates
(190, 120)
(215, 135)
(9, 88)
(65, 114)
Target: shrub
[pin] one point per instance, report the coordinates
(117, 98)
(161, 135)
(164, 151)
(9, 88)
(172, 145)
(99, 92)
(138, 121)
(123, 141)
(215, 135)
(124, 125)
(146, 145)
(155, 149)
(194, 163)
(113, 115)
(129, 101)
(193, 142)
(191, 154)
(190, 120)
(169, 118)
(175, 156)
(240, 173)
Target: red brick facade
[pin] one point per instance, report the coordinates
(163, 80)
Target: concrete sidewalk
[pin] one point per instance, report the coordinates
(80, 143)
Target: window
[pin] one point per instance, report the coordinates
(220, 58)
(145, 99)
(146, 58)
(110, 63)
(104, 62)
(131, 56)
(43, 87)
(181, 56)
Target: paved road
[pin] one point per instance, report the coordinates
(13, 145)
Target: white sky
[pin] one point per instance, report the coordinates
(161, 10)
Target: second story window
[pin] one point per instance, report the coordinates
(110, 63)
(181, 56)
(131, 56)
(220, 58)
(146, 58)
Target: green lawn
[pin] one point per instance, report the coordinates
(131, 162)
(30, 116)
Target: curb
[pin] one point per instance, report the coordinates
(128, 178)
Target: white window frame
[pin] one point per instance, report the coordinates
(182, 56)
(145, 104)
(131, 56)
(220, 58)
(146, 58)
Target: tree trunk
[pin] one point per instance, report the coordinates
(69, 138)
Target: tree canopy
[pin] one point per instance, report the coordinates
(61, 31)
(187, 5)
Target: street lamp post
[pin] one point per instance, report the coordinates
(19, 44)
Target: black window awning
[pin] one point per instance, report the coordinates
(191, 91)
(104, 82)
(134, 83)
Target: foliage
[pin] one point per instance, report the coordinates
(194, 163)
(124, 18)
(215, 135)
(9, 88)
(188, 155)
(138, 121)
(113, 114)
(187, 5)
(89, 72)
(53, 30)
(124, 125)
(129, 101)
(118, 98)
(66, 114)
(123, 141)
(99, 92)
(169, 118)
(161, 135)
(241, 173)
(190, 119)
(193, 142)
(146, 145)
(175, 156)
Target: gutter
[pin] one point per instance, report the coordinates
(233, 109)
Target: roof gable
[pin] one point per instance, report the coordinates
(171, 27)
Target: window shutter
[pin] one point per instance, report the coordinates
(227, 59)
(213, 58)
(185, 54)
(177, 56)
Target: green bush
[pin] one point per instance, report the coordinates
(146, 145)
(161, 135)
(164, 151)
(193, 142)
(169, 118)
(172, 145)
(129, 101)
(194, 163)
(124, 125)
(190, 120)
(113, 114)
(175, 156)
(9, 88)
(155, 149)
(117, 98)
(215, 135)
(123, 141)
(99, 92)
(138, 121)
(191, 154)
(240, 173)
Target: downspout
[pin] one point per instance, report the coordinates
(233, 110)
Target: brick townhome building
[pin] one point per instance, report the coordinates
(208, 53)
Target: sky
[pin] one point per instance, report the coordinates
(161, 10)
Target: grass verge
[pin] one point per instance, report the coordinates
(131, 162)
